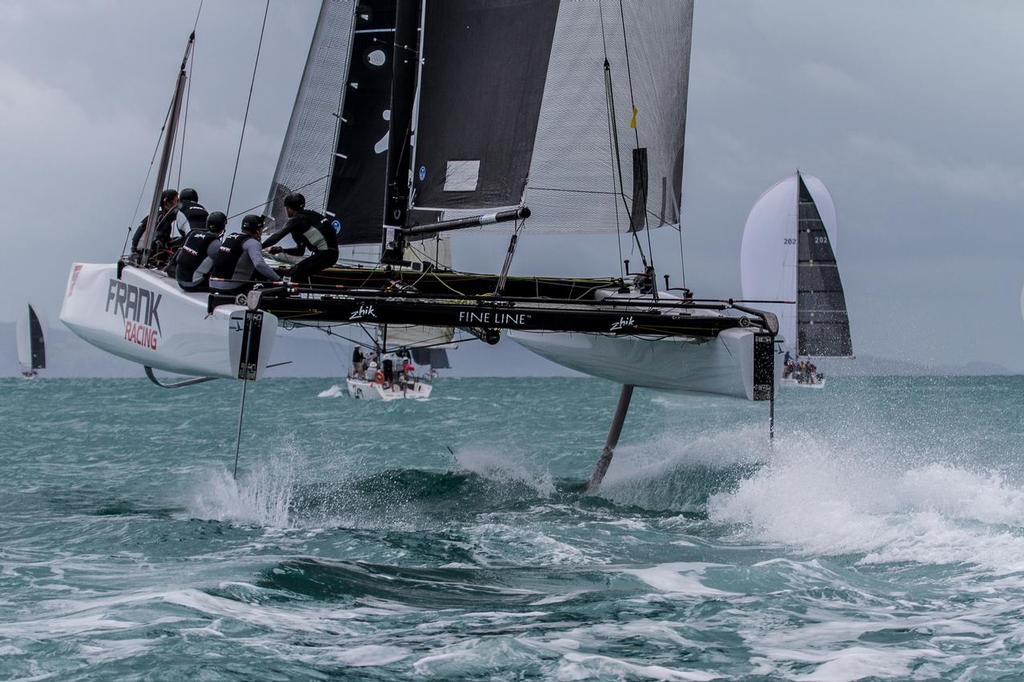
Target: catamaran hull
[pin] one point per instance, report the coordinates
(143, 316)
(723, 365)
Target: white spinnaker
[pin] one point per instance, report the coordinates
(769, 252)
(768, 255)
(24, 342)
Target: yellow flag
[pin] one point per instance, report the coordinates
(632, 121)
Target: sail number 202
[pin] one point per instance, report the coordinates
(789, 241)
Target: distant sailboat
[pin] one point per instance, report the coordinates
(788, 254)
(31, 333)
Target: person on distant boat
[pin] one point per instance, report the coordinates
(194, 212)
(239, 262)
(168, 213)
(195, 259)
(309, 230)
(357, 362)
(387, 366)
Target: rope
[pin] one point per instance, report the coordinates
(248, 101)
(142, 190)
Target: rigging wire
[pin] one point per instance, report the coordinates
(636, 128)
(263, 204)
(188, 99)
(149, 171)
(248, 101)
(611, 150)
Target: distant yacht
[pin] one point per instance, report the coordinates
(31, 333)
(788, 254)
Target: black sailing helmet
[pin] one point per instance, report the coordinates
(189, 194)
(252, 223)
(216, 222)
(295, 201)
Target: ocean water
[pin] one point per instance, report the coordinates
(880, 537)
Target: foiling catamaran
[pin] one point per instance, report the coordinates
(788, 255)
(416, 118)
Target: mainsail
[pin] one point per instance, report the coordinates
(787, 255)
(823, 325)
(534, 102)
(31, 337)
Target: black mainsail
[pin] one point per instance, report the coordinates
(823, 325)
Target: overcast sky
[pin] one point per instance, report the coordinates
(910, 112)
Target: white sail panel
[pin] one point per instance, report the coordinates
(574, 185)
(768, 256)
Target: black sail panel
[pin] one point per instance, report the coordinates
(358, 176)
(37, 340)
(823, 326)
(484, 67)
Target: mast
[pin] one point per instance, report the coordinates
(406, 61)
(165, 157)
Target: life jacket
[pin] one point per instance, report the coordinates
(230, 252)
(316, 232)
(195, 214)
(192, 255)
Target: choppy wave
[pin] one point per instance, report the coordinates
(453, 539)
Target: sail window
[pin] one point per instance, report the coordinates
(462, 176)
(376, 58)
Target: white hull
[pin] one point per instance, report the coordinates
(723, 365)
(366, 390)
(793, 383)
(146, 318)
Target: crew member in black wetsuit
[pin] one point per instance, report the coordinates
(164, 221)
(240, 262)
(194, 212)
(310, 231)
(197, 255)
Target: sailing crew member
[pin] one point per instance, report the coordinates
(197, 255)
(357, 362)
(239, 261)
(309, 230)
(168, 213)
(194, 212)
